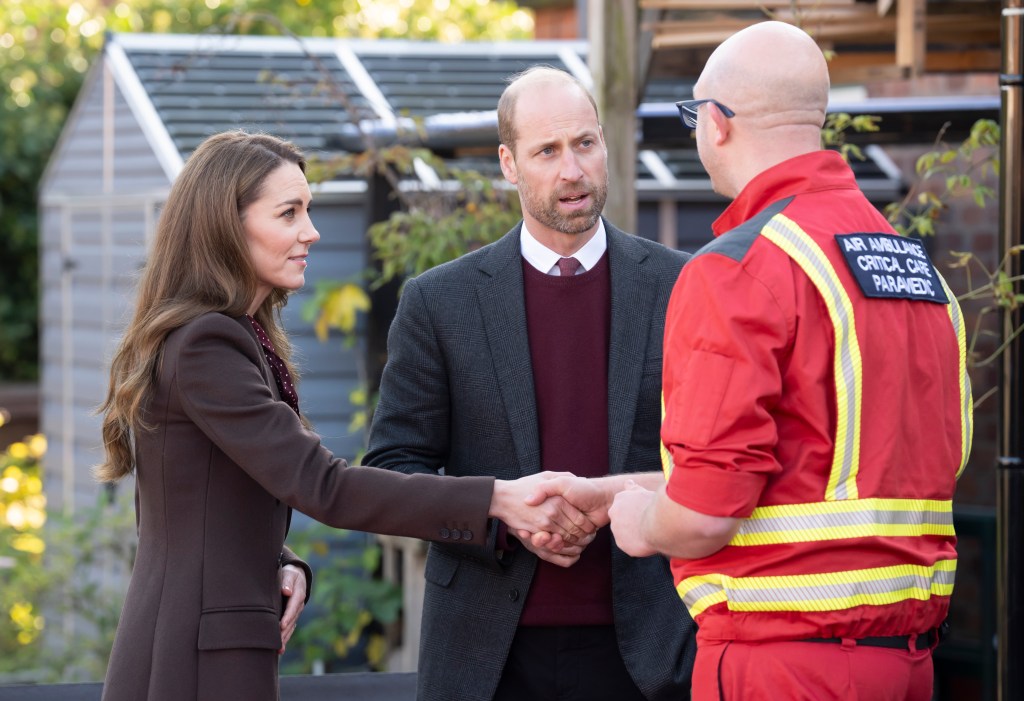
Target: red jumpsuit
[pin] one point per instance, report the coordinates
(833, 422)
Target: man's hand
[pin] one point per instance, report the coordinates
(591, 496)
(628, 516)
(515, 502)
(552, 549)
(293, 586)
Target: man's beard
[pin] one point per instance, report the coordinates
(546, 211)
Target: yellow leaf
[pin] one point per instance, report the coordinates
(21, 614)
(33, 485)
(37, 445)
(340, 308)
(376, 648)
(28, 543)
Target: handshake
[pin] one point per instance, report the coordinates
(556, 514)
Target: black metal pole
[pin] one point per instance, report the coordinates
(1010, 468)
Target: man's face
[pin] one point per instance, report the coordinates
(560, 164)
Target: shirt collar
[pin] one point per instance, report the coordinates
(545, 260)
(811, 172)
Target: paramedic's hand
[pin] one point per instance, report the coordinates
(628, 514)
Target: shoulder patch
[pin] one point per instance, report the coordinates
(736, 242)
(892, 267)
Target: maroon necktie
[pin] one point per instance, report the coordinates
(284, 378)
(567, 267)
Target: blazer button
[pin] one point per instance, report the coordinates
(467, 535)
(445, 533)
(456, 534)
(513, 594)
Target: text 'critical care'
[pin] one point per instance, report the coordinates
(890, 266)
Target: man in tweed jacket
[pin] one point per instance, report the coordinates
(492, 361)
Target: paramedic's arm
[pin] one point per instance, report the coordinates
(645, 522)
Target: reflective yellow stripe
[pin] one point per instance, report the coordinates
(666, 456)
(966, 400)
(787, 235)
(850, 518)
(830, 591)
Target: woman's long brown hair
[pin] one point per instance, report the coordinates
(199, 263)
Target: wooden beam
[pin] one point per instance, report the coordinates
(866, 68)
(849, 67)
(979, 60)
(964, 30)
(739, 5)
(911, 35)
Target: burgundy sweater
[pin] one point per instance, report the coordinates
(568, 321)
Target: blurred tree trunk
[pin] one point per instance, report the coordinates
(612, 32)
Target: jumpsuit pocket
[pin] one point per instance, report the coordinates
(706, 380)
(239, 628)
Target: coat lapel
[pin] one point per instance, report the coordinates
(632, 309)
(503, 310)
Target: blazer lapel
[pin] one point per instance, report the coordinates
(632, 309)
(503, 310)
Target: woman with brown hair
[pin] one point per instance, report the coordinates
(202, 408)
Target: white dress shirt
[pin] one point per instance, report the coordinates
(546, 261)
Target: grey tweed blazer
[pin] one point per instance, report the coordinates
(457, 395)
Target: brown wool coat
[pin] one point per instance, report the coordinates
(216, 478)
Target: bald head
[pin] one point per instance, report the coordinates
(524, 82)
(772, 73)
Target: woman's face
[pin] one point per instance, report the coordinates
(280, 232)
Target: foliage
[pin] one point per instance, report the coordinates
(838, 124)
(956, 167)
(435, 227)
(46, 46)
(59, 599)
(998, 294)
(349, 603)
(334, 305)
(22, 515)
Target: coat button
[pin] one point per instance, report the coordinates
(467, 535)
(513, 594)
(456, 534)
(444, 533)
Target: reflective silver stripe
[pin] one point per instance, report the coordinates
(854, 519)
(840, 590)
(801, 523)
(966, 400)
(787, 235)
(828, 591)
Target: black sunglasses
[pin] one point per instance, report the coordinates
(688, 110)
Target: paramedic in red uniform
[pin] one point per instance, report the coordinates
(817, 408)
